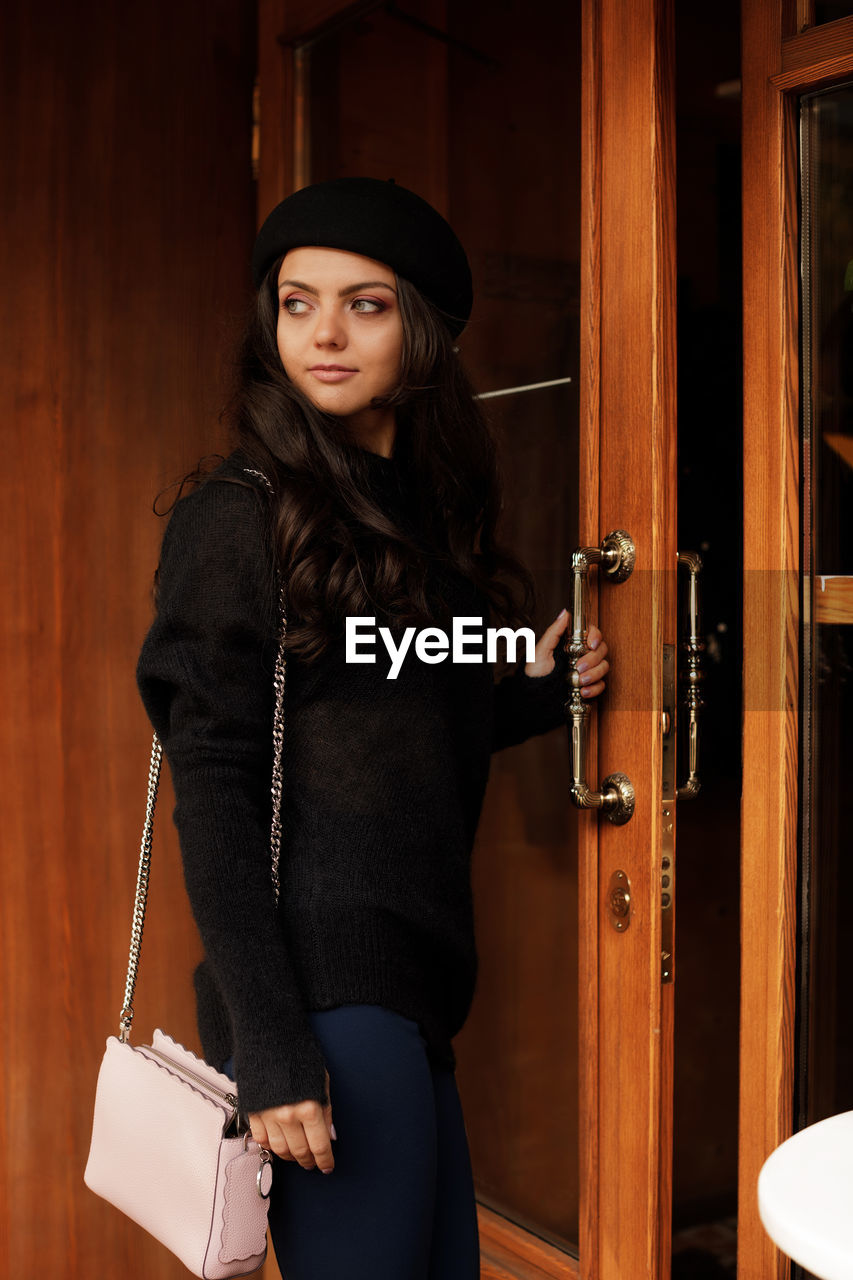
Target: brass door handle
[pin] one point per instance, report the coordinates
(693, 647)
(615, 557)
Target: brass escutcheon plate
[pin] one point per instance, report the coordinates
(620, 542)
(619, 905)
(619, 785)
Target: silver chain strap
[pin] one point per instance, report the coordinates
(126, 1015)
(278, 718)
(141, 899)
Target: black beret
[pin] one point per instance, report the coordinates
(379, 220)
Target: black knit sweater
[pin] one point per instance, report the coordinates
(383, 787)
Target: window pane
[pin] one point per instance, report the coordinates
(826, 1044)
(830, 10)
(457, 102)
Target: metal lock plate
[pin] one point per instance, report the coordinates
(667, 866)
(619, 906)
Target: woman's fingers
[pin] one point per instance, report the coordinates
(308, 1143)
(297, 1143)
(268, 1133)
(299, 1131)
(278, 1142)
(327, 1110)
(593, 666)
(592, 679)
(259, 1129)
(543, 657)
(320, 1145)
(593, 656)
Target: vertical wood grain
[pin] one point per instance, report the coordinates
(664, 590)
(127, 214)
(589, 995)
(771, 621)
(628, 365)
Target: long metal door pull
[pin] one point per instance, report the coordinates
(693, 647)
(615, 558)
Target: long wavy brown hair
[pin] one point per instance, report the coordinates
(343, 554)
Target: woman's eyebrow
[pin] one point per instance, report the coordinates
(342, 293)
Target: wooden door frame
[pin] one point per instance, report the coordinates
(284, 26)
(628, 443)
(777, 66)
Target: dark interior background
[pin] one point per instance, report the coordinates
(709, 521)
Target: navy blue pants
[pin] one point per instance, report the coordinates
(400, 1202)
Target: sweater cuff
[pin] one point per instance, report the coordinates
(561, 668)
(527, 705)
(297, 1073)
(274, 1064)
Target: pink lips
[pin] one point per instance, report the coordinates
(331, 372)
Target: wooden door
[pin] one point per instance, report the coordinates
(629, 437)
(788, 51)
(625, 198)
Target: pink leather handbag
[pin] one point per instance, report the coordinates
(166, 1152)
(167, 1147)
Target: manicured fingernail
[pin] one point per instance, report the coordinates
(333, 1131)
(593, 644)
(561, 614)
(581, 666)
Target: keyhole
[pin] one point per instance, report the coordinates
(620, 902)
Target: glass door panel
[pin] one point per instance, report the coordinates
(825, 1042)
(830, 11)
(453, 99)
(519, 1052)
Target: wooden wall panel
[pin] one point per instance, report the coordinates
(128, 214)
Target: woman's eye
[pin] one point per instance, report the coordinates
(367, 305)
(294, 305)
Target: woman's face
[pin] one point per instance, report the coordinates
(340, 336)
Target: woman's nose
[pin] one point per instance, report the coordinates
(329, 330)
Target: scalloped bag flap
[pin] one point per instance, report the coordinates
(186, 1058)
(244, 1215)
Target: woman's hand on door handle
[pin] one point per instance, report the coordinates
(593, 666)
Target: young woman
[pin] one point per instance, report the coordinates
(366, 476)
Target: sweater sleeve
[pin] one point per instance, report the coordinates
(205, 676)
(529, 705)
